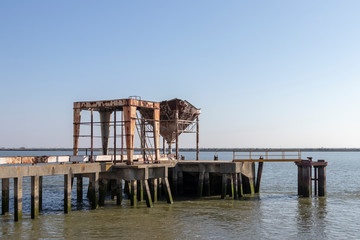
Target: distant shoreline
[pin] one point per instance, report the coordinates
(203, 149)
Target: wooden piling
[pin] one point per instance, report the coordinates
(34, 197)
(322, 178)
(67, 193)
(304, 178)
(5, 196)
(18, 198)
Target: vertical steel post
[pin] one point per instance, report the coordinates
(164, 146)
(114, 161)
(143, 139)
(122, 135)
(197, 138)
(177, 133)
(92, 136)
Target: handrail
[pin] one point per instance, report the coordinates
(267, 156)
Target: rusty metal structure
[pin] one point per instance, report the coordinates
(129, 121)
(176, 117)
(168, 119)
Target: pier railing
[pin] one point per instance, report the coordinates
(267, 156)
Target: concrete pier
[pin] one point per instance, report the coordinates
(5, 195)
(226, 179)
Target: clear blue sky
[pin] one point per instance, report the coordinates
(264, 73)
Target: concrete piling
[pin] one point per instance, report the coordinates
(79, 188)
(94, 190)
(167, 191)
(154, 189)
(67, 193)
(5, 196)
(119, 191)
(40, 192)
(34, 197)
(102, 191)
(201, 183)
(133, 197)
(207, 184)
(236, 186)
(224, 186)
(149, 202)
(18, 198)
(258, 177)
(140, 190)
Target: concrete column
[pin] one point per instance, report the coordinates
(154, 189)
(167, 191)
(133, 198)
(79, 188)
(207, 183)
(127, 188)
(197, 137)
(160, 188)
(18, 198)
(201, 184)
(102, 192)
(118, 191)
(236, 186)
(129, 118)
(224, 185)
(5, 196)
(77, 119)
(156, 129)
(240, 185)
(231, 190)
(105, 117)
(40, 192)
(258, 177)
(148, 194)
(140, 190)
(34, 197)
(94, 190)
(67, 193)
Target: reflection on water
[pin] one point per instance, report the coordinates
(311, 218)
(277, 213)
